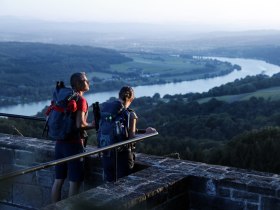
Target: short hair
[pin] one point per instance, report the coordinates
(126, 93)
(76, 78)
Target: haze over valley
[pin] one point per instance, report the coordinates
(148, 37)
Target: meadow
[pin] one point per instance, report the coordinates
(171, 68)
(272, 94)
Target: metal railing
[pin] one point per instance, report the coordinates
(137, 138)
(23, 117)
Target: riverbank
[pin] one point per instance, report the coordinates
(250, 67)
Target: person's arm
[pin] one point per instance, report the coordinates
(145, 131)
(140, 131)
(81, 121)
(150, 130)
(132, 124)
(132, 127)
(81, 115)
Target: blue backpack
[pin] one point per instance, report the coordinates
(113, 124)
(61, 120)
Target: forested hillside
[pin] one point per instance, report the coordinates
(236, 134)
(257, 149)
(246, 85)
(28, 69)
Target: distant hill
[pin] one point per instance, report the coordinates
(173, 38)
(269, 52)
(28, 69)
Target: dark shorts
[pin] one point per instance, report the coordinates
(125, 165)
(74, 168)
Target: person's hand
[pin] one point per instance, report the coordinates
(150, 130)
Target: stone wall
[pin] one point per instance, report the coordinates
(33, 190)
(163, 183)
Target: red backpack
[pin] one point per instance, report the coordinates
(61, 114)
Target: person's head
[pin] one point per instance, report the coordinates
(126, 94)
(79, 81)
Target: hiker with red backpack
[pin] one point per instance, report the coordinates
(118, 123)
(67, 122)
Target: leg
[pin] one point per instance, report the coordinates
(56, 190)
(60, 174)
(125, 163)
(74, 188)
(109, 167)
(75, 170)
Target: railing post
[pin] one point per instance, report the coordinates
(116, 164)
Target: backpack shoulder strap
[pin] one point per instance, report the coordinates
(64, 95)
(132, 114)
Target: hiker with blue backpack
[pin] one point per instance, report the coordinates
(118, 123)
(67, 122)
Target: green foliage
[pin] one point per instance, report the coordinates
(22, 127)
(256, 149)
(235, 134)
(248, 84)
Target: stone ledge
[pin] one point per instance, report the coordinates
(166, 179)
(162, 183)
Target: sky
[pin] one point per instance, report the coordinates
(258, 14)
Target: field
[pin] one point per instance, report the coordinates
(268, 93)
(102, 75)
(170, 67)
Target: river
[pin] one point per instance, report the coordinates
(249, 67)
